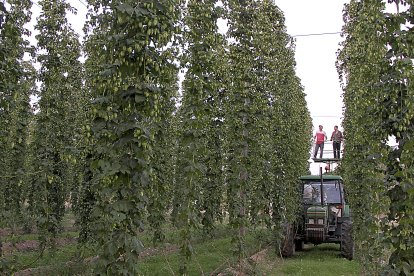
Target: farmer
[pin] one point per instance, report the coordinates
(320, 138)
(337, 138)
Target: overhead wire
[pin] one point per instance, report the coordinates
(316, 34)
(83, 3)
(297, 35)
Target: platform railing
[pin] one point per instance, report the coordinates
(328, 154)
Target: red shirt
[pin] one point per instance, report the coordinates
(320, 136)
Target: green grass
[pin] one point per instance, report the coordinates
(318, 260)
(64, 257)
(210, 256)
(61, 255)
(207, 258)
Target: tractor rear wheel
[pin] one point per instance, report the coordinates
(288, 241)
(347, 243)
(299, 245)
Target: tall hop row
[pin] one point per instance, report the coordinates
(17, 80)
(40, 114)
(375, 65)
(132, 75)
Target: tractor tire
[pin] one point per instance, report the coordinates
(288, 242)
(299, 245)
(347, 243)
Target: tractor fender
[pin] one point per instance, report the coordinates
(346, 211)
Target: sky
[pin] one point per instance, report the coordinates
(315, 60)
(315, 54)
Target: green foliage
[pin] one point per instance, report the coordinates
(15, 88)
(54, 132)
(198, 187)
(264, 108)
(131, 82)
(361, 63)
(85, 200)
(242, 130)
(15, 154)
(398, 117)
(113, 140)
(376, 68)
(164, 150)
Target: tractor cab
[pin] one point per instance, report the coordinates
(324, 208)
(325, 215)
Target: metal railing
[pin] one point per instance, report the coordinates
(328, 152)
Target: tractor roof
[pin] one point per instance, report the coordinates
(318, 177)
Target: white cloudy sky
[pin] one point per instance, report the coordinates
(315, 58)
(316, 54)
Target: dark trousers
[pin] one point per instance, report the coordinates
(337, 149)
(317, 146)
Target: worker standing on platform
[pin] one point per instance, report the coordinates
(320, 138)
(337, 138)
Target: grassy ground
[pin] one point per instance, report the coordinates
(318, 260)
(212, 256)
(208, 257)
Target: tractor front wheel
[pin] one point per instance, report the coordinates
(347, 243)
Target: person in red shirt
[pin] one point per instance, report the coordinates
(320, 138)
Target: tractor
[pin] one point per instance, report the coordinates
(324, 217)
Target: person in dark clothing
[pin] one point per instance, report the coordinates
(336, 139)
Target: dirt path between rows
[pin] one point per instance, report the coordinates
(9, 248)
(4, 232)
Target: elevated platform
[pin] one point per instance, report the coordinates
(326, 160)
(318, 177)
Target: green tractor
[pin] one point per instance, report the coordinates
(325, 217)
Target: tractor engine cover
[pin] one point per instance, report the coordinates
(316, 219)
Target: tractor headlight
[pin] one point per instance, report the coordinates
(311, 221)
(320, 221)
